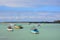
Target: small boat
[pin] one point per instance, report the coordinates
(18, 27)
(35, 31)
(10, 28)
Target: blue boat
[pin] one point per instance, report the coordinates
(35, 31)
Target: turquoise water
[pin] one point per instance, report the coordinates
(46, 32)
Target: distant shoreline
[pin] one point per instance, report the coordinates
(29, 22)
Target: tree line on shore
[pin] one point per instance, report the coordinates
(56, 21)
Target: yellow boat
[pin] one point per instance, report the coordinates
(18, 27)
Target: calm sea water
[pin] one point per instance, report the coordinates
(46, 32)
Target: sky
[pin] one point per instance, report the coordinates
(29, 10)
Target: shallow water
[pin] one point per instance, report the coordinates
(47, 32)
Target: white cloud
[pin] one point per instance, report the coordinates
(28, 3)
(37, 16)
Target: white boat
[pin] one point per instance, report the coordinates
(35, 32)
